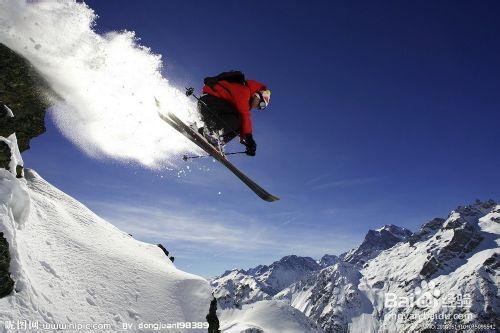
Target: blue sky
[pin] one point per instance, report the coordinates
(381, 113)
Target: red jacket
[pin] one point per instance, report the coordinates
(239, 96)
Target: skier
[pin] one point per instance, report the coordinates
(225, 107)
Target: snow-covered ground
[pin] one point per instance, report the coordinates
(72, 267)
(266, 317)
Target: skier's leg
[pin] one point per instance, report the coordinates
(218, 114)
(231, 122)
(230, 133)
(208, 110)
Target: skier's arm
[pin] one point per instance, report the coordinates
(243, 107)
(246, 123)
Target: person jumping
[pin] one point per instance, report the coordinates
(225, 107)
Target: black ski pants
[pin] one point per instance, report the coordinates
(218, 114)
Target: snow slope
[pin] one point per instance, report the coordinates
(266, 317)
(70, 266)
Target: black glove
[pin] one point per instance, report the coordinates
(249, 142)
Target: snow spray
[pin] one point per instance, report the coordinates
(108, 83)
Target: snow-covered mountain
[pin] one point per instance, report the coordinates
(71, 267)
(329, 296)
(237, 287)
(328, 260)
(443, 277)
(450, 268)
(280, 274)
(376, 241)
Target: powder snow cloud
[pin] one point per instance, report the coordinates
(108, 83)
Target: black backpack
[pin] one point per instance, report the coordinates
(231, 76)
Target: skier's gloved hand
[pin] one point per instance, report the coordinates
(249, 142)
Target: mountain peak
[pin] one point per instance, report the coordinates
(472, 211)
(261, 282)
(328, 260)
(376, 241)
(296, 260)
(393, 228)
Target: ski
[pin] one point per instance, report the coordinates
(197, 139)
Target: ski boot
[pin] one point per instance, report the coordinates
(211, 138)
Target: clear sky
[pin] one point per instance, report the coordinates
(381, 112)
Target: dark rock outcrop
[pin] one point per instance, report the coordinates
(26, 93)
(6, 282)
(463, 223)
(5, 155)
(492, 263)
(163, 249)
(212, 319)
(166, 252)
(489, 312)
(427, 230)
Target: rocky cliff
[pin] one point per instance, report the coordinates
(24, 97)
